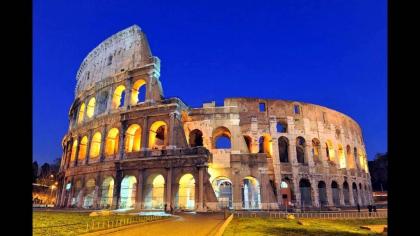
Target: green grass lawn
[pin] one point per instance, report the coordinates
(70, 223)
(314, 227)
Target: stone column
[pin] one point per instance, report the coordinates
(237, 189)
(139, 194)
(121, 142)
(200, 189)
(76, 157)
(109, 100)
(88, 147)
(168, 183)
(329, 194)
(315, 190)
(102, 146)
(172, 129)
(70, 193)
(297, 191)
(128, 89)
(144, 134)
(83, 190)
(277, 170)
(309, 157)
(323, 155)
(117, 189)
(63, 193)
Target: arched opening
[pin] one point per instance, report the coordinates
(283, 144)
(95, 146)
(335, 193)
(222, 138)
(330, 151)
(251, 198)
(316, 150)
(79, 194)
(248, 141)
(73, 150)
(186, 192)
(111, 143)
(90, 111)
(138, 92)
(118, 97)
(133, 138)
(154, 195)
(305, 193)
(285, 192)
(346, 193)
(322, 191)
(355, 194)
(223, 189)
(81, 113)
(83, 149)
(300, 150)
(281, 127)
(89, 193)
(350, 158)
(196, 138)
(107, 193)
(341, 157)
(265, 145)
(158, 135)
(128, 192)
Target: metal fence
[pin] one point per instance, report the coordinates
(332, 215)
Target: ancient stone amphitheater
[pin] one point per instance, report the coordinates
(129, 146)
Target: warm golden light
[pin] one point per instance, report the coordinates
(73, 150)
(111, 143)
(331, 153)
(83, 148)
(133, 138)
(157, 134)
(95, 146)
(135, 91)
(91, 107)
(341, 157)
(186, 192)
(268, 147)
(117, 97)
(81, 113)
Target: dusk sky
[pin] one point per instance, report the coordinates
(327, 52)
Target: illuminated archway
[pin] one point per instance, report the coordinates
(128, 192)
(300, 150)
(81, 113)
(346, 193)
(186, 192)
(158, 135)
(305, 192)
(107, 193)
(221, 138)
(133, 138)
(330, 151)
(265, 145)
(154, 192)
(341, 157)
(248, 141)
(350, 158)
(355, 194)
(89, 193)
(222, 187)
(137, 95)
(322, 192)
(73, 150)
(117, 97)
(251, 198)
(316, 150)
(286, 191)
(111, 143)
(95, 146)
(83, 149)
(90, 111)
(336, 193)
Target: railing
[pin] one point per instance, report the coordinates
(332, 215)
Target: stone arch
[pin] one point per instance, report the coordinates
(89, 193)
(251, 197)
(335, 193)
(346, 193)
(264, 144)
(300, 150)
(128, 192)
(118, 97)
(73, 150)
(283, 144)
(305, 192)
(355, 193)
(78, 197)
(138, 92)
(158, 135)
(196, 138)
(81, 113)
(186, 192)
(316, 150)
(222, 138)
(322, 192)
(111, 142)
(350, 158)
(90, 111)
(248, 142)
(222, 187)
(154, 192)
(95, 146)
(83, 148)
(330, 151)
(107, 192)
(341, 157)
(133, 138)
(286, 191)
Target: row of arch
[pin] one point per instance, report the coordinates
(157, 139)
(353, 159)
(153, 198)
(138, 95)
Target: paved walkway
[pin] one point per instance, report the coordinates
(184, 224)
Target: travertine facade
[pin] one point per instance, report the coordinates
(130, 147)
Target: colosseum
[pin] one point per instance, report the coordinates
(130, 147)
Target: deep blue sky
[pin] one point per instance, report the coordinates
(328, 52)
